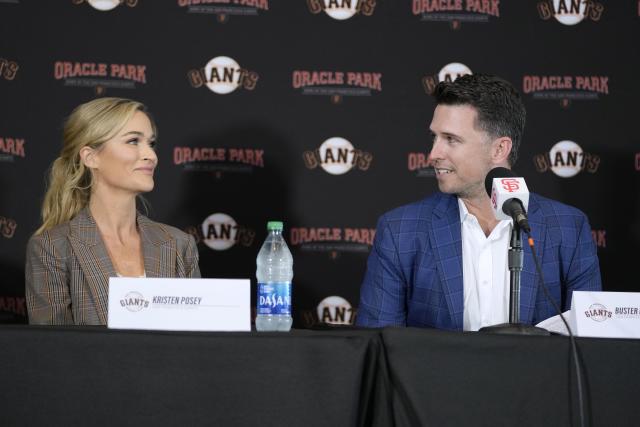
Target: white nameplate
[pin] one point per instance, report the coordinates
(605, 314)
(179, 304)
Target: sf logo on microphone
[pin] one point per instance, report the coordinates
(510, 184)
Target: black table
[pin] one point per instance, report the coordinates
(464, 379)
(94, 377)
(348, 377)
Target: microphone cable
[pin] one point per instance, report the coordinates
(574, 348)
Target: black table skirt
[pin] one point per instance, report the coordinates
(461, 379)
(71, 376)
(348, 377)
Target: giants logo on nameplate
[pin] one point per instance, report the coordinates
(566, 159)
(337, 156)
(448, 73)
(100, 75)
(134, 301)
(456, 11)
(570, 12)
(420, 163)
(223, 9)
(332, 240)
(8, 69)
(342, 9)
(7, 227)
(11, 148)
(106, 5)
(223, 75)
(598, 313)
(220, 232)
(565, 88)
(218, 160)
(336, 84)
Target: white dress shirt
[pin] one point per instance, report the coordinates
(485, 272)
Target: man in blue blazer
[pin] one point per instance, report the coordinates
(441, 262)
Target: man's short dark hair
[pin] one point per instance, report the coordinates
(499, 106)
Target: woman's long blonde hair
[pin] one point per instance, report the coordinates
(89, 125)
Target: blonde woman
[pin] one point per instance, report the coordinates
(91, 229)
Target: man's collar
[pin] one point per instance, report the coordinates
(464, 214)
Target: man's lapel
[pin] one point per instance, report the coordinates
(529, 279)
(446, 242)
(93, 258)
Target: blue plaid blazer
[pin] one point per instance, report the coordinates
(414, 272)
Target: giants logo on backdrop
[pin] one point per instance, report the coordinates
(448, 73)
(8, 69)
(600, 238)
(220, 232)
(218, 160)
(419, 163)
(106, 5)
(225, 8)
(333, 310)
(337, 156)
(342, 9)
(10, 148)
(456, 11)
(15, 305)
(566, 159)
(223, 75)
(332, 240)
(100, 75)
(570, 12)
(638, 162)
(7, 227)
(336, 84)
(565, 88)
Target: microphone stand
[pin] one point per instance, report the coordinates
(516, 262)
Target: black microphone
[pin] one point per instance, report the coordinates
(509, 196)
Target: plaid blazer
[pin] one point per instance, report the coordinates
(414, 271)
(68, 268)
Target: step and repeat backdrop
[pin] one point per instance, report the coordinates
(316, 113)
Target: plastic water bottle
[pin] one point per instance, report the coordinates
(274, 273)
